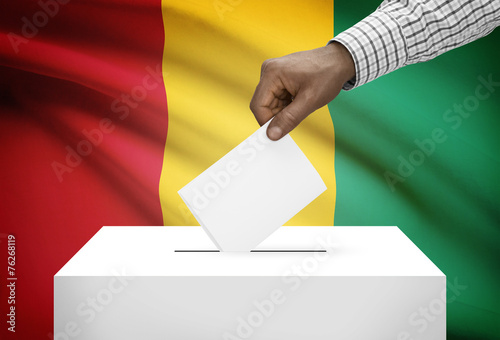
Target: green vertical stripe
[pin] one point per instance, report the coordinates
(449, 203)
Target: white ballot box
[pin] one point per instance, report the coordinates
(301, 283)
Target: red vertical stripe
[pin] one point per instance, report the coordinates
(83, 124)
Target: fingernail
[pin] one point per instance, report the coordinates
(275, 133)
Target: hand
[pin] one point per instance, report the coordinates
(294, 86)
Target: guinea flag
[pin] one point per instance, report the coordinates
(109, 107)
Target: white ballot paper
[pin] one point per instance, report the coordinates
(253, 190)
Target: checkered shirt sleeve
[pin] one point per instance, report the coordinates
(403, 32)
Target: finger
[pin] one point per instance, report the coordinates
(262, 101)
(286, 120)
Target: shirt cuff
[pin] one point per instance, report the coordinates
(377, 46)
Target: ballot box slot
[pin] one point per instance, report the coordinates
(288, 251)
(197, 251)
(254, 251)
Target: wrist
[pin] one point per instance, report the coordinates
(342, 61)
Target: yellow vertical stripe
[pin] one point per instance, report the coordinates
(211, 64)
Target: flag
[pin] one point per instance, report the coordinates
(108, 108)
(89, 140)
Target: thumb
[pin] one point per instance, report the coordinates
(288, 118)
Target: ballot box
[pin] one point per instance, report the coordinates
(300, 283)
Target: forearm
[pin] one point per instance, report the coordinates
(400, 33)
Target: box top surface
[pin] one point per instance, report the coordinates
(311, 251)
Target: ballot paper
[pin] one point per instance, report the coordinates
(253, 190)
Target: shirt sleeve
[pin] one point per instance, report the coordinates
(403, 32)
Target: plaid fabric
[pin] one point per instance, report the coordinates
(403, 32)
